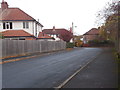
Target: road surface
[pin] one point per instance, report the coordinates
(46, 71)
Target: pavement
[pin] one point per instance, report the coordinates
(100, 73)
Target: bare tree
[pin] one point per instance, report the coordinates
(111, 15)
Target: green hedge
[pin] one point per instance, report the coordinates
(1, 36)
(99, 42)
(69, 45)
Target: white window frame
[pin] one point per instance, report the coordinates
(7, 25)
(26, 25)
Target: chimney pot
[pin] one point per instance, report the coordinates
(53, 28)
(4, 5)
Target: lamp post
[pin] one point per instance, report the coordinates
(73, 30)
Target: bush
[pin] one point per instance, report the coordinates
(105, 42)
(93, 42)
(69, 45)
(118, 55)
(1, 36)
(100, 42)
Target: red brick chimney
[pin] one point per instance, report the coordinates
(4, 5)
(53, 28)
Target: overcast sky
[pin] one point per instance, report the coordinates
(61, 13)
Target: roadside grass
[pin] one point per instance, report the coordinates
(116, 55)
(118, 61)
(117, 58)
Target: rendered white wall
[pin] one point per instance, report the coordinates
(18, 25)
(1, 26)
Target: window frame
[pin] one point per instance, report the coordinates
(25, 25)
(7, 25)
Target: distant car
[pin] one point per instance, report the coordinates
(86, 45)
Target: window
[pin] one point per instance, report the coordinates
(22, 38)
(57, 35)
(7, 25)
(25, 25)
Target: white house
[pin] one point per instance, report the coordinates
(59, 34)
(16, 19)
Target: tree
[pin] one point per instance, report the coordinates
(111, 15)
(103, 33)
(66, 36)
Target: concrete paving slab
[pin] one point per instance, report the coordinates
(101, 73)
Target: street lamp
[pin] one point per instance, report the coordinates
(73, 27)
(73, 30)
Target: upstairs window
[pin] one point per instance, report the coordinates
(7, 25)
(26, 25)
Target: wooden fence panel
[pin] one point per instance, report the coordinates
(21, 47)
(0, 48)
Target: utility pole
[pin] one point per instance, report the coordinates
(73, 31)
(73, 28)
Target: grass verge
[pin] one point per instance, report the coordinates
(117, 58)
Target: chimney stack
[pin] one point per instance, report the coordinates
(71, 30)
(53, 28)
(4, 5)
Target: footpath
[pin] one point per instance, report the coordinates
(100, 73)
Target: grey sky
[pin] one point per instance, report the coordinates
(61, 13)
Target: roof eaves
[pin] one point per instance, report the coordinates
(39, 23)
(17, 20)
(19, 36)
(90, 34)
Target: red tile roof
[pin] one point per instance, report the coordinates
(16, 33)
(14, 14)
(93, 31)
(43, 36)
(62, 33)
(56, 31)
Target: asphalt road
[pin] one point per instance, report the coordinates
(46, 71)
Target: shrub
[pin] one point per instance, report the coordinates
(1, 36)
(69, 45)
(93, 42)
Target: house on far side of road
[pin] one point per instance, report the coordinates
(16, 19)
(59, 34)
(92, 34)
(44, 37)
